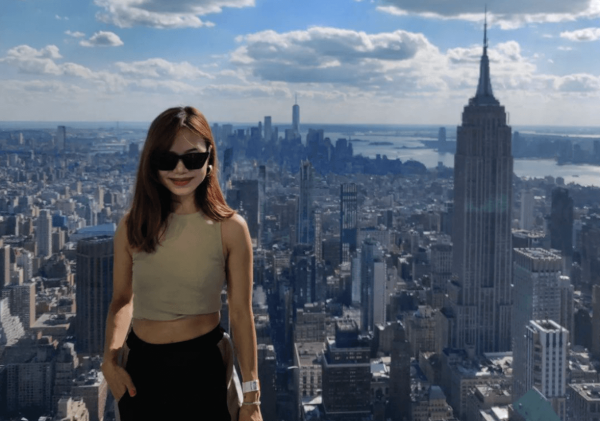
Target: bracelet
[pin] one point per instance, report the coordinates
(251, 403)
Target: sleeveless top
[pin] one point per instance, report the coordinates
(185, 274)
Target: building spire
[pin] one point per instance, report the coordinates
(485, 95)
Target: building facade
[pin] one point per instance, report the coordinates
(482, 242)
(94, 277)
(547, 362)
(537, 297)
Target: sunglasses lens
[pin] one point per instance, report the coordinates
(194, 161)
(168, 161)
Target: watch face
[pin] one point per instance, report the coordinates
(250, 386)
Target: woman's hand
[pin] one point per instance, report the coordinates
(118, 379)
(250, 413)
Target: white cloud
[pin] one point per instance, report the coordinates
(41, 62)
(102, 39)
(247, 91)
(33, 61)
(388, 66)
(587, 34)
(169, 86)
(328, 55)
(580, 82)
(48, 86)
(75, 34)
(163, 14)
(158, 67)
(25, 51)
(507, 14)
(564, 48)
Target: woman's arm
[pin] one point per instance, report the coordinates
(239, 293)
(119, 315)
(121, 306)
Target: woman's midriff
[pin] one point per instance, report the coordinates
(169, 331)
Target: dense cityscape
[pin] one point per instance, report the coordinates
(383, 289)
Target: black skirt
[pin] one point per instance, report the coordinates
(181, 380)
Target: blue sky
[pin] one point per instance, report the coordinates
(369, 61)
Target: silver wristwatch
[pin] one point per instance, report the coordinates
(251, 386)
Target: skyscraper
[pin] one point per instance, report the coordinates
(246, 194)
(346, 377)
(561, 221)
(372, 286)
(268, 129)
(547, 356)
(348, 221)
(4, 264)
(441, 136)
(537, 297)
(305, 233)
(296, 117)
(399, 401)
(44, 233)
(262, 186)
(61, 136)
(527, 202)
(483, 168)
(596, 321)
(94, 292)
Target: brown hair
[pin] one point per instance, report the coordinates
(152, 201)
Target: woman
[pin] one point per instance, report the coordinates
(174, 250)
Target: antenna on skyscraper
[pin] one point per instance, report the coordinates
(485, 42)
(296, 100)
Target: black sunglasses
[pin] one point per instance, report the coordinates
(167, 161)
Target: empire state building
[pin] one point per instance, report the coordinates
(480, 293)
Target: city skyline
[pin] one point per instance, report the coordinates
(378, 62)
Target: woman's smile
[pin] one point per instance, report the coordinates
(182, 181)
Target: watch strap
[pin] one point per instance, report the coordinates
(250, 386)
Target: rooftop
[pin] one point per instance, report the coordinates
(589, 391)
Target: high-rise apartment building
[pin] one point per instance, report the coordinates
(567, 306)
(43, 234)
(547, 362)
(527, 202)
(441, 136)
(590, 252)
(296, 117)
(4, 264)
(400, 401)
(305, 231)
(537, 296)
(373, 285)
(596, 321)
(61, 137)
(441, 272)
(346, 377)
(246, 194)
(268, 136)
(318, 238)
(348, 221)
(21, 298)
(561, 221)
(483, 170)
(95, 257)
(262, 203)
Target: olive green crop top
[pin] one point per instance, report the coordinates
(185, 274)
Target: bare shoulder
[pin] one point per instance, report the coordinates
(234, 230)
(121, 240)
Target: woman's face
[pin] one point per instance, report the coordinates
(186, 142)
